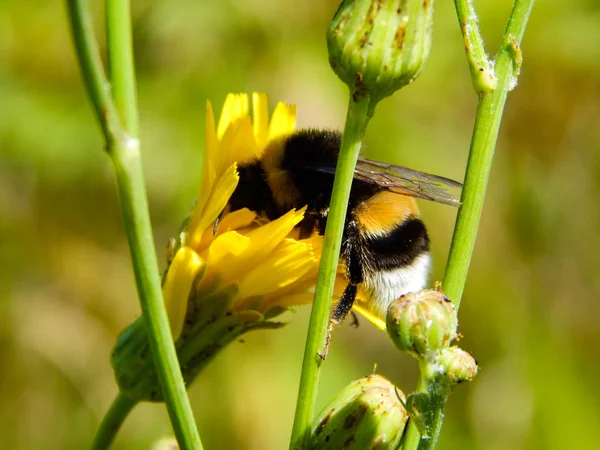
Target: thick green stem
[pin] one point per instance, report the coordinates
(118, 120)
(359, 113)
(483, 144)
(112, 422)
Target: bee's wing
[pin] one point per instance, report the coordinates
(400, 180)
(405, 181)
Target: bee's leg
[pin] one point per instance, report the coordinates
(340, 312)
(344, 306)
(354, 271)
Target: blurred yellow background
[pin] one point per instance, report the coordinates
(531, 308)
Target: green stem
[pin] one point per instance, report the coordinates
(434, 420)
(96, 84)
(112, 422)
(482, 71)
(134, 207)
(483, 143)
(435, 425)
(359, 113)
(123, 147)
(120, 62)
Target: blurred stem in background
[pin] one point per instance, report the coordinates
(115, 107)
(492, 90)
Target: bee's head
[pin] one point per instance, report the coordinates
(252, 191)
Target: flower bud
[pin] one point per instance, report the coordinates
(366, 414)
(458, 365)
(422, 322)
(380, 45)
(212, 328)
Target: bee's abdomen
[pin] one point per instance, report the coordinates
(398, 247)
(395, 264)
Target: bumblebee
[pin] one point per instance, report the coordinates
(385, 246)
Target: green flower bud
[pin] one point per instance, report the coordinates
(209, 330)
(422, 323)
(457, 364)
(379, 46)
(366, 414)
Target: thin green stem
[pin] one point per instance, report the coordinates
(134, 208)
(112, 422)
(120, 62)
(359, 113)
(123, 147)
(482, 71)
(483, 143)
(96, 84)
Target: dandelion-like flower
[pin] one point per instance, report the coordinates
(248, 255)
(224, 280)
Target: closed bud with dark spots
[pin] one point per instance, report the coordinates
(367, 414)
(379, 46)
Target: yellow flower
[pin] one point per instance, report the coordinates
(250, 258)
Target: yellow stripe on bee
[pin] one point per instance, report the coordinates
(284, 190)
(383, 212)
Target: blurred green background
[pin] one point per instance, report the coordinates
(531, 308)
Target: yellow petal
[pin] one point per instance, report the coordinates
(236, 106)
(178, 283)
(260, 118)
(211, 148)
(375, 320)
(284, 266)
(225, 248)
(265, 238)
(283, 121)
(233, 221)
(237, 145)
(262, 242)
(207, 181)
(286, 301)
(236, 220)
(215, 204)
